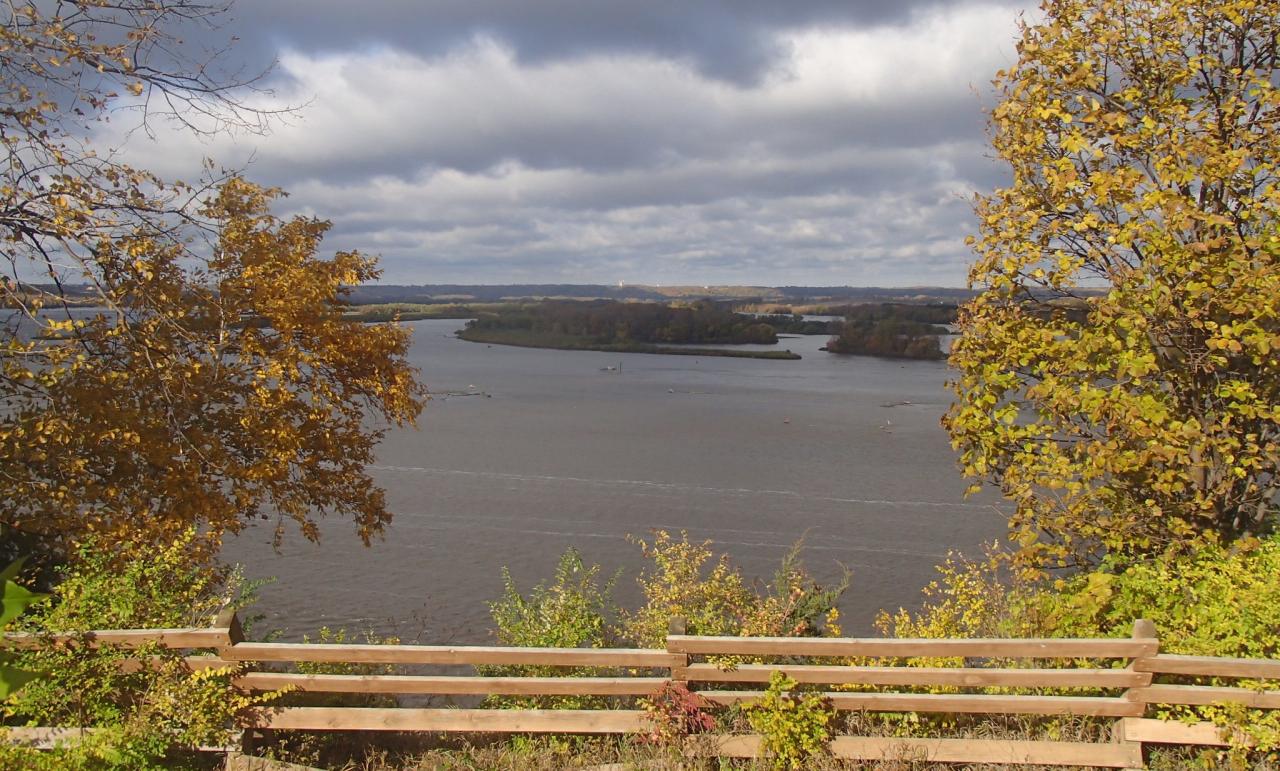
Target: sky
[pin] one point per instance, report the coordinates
(751, 142)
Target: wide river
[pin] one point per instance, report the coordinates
(844, 451)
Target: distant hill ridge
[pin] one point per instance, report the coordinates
(444, 294)
(452, 293)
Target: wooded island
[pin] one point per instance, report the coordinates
(881, 329)
(625, 328)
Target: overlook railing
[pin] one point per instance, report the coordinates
(858, 674)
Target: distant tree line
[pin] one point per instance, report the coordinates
(888, 337)
(805, 295)
(795, 324)
(899, 330)
(453, 293)
(604, 322)
(941, 313)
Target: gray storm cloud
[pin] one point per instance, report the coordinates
(488, 143)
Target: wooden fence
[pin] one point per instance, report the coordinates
(1118, 676)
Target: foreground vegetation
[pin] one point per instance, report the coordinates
(1215, 602)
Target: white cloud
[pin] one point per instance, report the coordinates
(846, 164)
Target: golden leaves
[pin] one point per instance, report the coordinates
(211, 392)
(1148, 418)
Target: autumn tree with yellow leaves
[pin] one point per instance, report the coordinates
(1143, 142)
(211, 379)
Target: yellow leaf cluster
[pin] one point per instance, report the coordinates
(1118, 375)
(208, 393)
(176, 355)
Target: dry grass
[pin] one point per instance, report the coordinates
(404, 752)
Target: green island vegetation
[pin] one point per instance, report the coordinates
(796, 324)
(630, 327)
(892, 330)
(889, 338)
(1117, 380)
(932, 313)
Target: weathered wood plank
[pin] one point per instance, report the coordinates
(194, 663)
(193, 637)
(1210, 666)
(954, 676)
(1204, 694)
(449, 654)
(886, 748)
(1174, 732)
(904, 647)
(568, 721)
(957, 703)
(446, 685)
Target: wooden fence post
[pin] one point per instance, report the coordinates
(678, 625)
(228, 620)
(1143, 629)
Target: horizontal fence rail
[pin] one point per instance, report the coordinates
(126, 638)
(1208, 666)
(453, 686)
(1103, 679)
(569, 721)
(910, 648)
(451, 655)
(955, 703)
(972, 677)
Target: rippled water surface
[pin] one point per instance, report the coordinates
(754, 454)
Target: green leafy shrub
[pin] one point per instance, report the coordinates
(687, 580)
(574, 610)
(793, 727)
(16, 600)
(1216, 601)
(151, 717)
(795, 604)
(711, 595)
(968, 599)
